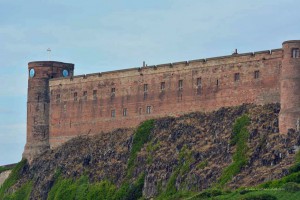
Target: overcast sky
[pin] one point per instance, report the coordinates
(100, 35)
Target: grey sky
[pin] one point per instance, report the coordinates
(102, 35)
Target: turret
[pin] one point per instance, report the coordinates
(289, 116)
(38, 99)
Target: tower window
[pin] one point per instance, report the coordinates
(295, 53)
(124, 112)
(162, 86)
(236, 76)
(148, 109)
(75, 96)
(145, 91)
(65, 108)
(94, 94)
(84, 95)
(256, 74)
(145, 87)
(113, 113)
(113, 92)
(180, 85)
(199, 85)
(58, 98)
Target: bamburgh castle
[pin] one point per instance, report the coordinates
(61, 106)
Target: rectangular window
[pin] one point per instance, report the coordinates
(199, 85)
(180, 84)
(94, 94)
(113, 113)
(162, 86)
(113, 92)
(217, 83)
(75, 96)
(65, 108)
(199, 82)
(236, 76)
(58, 98)
(84, 97)
(145, 87)
(148, 109)
(256, 74)
(145, 91)
(124, 111)
(295, 53)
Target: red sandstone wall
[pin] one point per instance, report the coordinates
(69, 118)
(38, 105)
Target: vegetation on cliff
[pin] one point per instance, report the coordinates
(231, 153)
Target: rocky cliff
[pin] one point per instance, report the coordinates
(186, 153)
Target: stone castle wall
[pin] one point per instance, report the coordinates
(94, 103)
(59, 109)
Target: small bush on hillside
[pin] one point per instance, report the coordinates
(259, 197)
(209, 193)
(291, 187)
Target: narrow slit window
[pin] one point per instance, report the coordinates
(217, 83)
(236, 76)
(295, 53)
(145, 91)
(145, 88)
(256, 74)
(84, 95)
(199, 86)
(65, 108)
(94, 94)
(58, 98)
(75, 96)
(162, 86)
(180, 84)
(148, 109)
(124, 112)
(113, 113)
(113, 92)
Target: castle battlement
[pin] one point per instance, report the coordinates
(206, 62)
(62, 106)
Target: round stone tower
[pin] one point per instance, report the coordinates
(38, 99)
(289, 116)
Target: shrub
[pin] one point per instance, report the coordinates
(209, 193)
(239, 124)
(240, 158)
(259, 197)
(291, 187)
(141, 136)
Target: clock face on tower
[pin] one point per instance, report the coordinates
(65, 73)
(31, 73)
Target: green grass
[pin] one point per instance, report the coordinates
(3, 169)
(185, 160)
(12, 179)
(240, 157)
(279, 194)
(22, 193)
(82, 189)
(141, 137)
